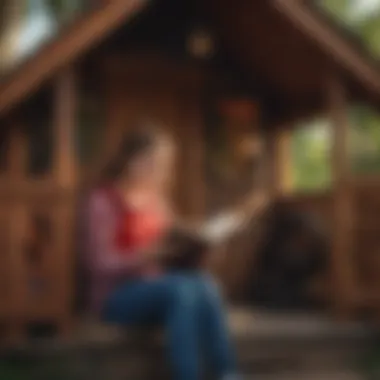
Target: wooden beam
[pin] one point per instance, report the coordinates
(64, 173)
(17, 272)
(280, 160)
(64, 165)
(16, 173)
(77, 40)
(191, 148)
(16, 154)
(284, 152)
(342, 237)
(331, 43)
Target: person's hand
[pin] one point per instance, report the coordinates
(152, 253)
(255, 203)
(258, 200)
(160, 250)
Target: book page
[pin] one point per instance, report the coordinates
(221, 227)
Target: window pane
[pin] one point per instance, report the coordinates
(310, 156)
(360, 17)
(365, 140)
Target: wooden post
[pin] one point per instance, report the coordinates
(284, 150)
(191, 168)
(16, 166)
(272, 164)
(280, 161)
(342, 243)
(64, 171)
(116, 121)
(64, 121)
(16, 172)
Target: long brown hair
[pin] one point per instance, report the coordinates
(140, 140)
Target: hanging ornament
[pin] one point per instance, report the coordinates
(201, 43)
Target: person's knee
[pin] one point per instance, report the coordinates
(209, 287)
(184, 292)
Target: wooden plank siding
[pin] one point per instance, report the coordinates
(332, 44)
(365, 236)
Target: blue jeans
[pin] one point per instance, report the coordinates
(189, 306)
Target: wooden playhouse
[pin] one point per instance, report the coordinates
(189, 65)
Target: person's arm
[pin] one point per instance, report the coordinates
(253, 205)
(228, 221)
(104, 256)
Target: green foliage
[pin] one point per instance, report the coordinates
(365, 24)
(311, 142)
(339, 8)
(369, 30)
(310, 148)
(311, 156)
(365, 140)
(65, 10)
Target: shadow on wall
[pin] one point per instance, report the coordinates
(293, 257)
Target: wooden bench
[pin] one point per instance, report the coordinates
(94, 351)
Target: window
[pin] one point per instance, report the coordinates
(364, 141)
(360, 17)
(310, 147)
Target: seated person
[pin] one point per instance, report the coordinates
(127, 221)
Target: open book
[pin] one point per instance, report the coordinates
(220, 227)
(189, 244)
(225, 224)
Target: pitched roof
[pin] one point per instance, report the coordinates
(336, 41)
(94, 27)
(81, 36)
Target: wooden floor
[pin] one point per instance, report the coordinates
(261, 323)
(270, 346)
(337, 375)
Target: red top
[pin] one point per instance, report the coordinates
(112, 236)
(137, 228)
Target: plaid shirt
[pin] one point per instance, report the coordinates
(107, 265)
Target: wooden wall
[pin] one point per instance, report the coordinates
(168, 94)
(171, 94)
(37, 225)
(367, 241)
(41, 200)
(37, 216)
(366, 236)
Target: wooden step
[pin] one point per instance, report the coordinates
(321, 375)
(267, 345)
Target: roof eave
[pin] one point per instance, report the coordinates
(81, 36)
(361, 68)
